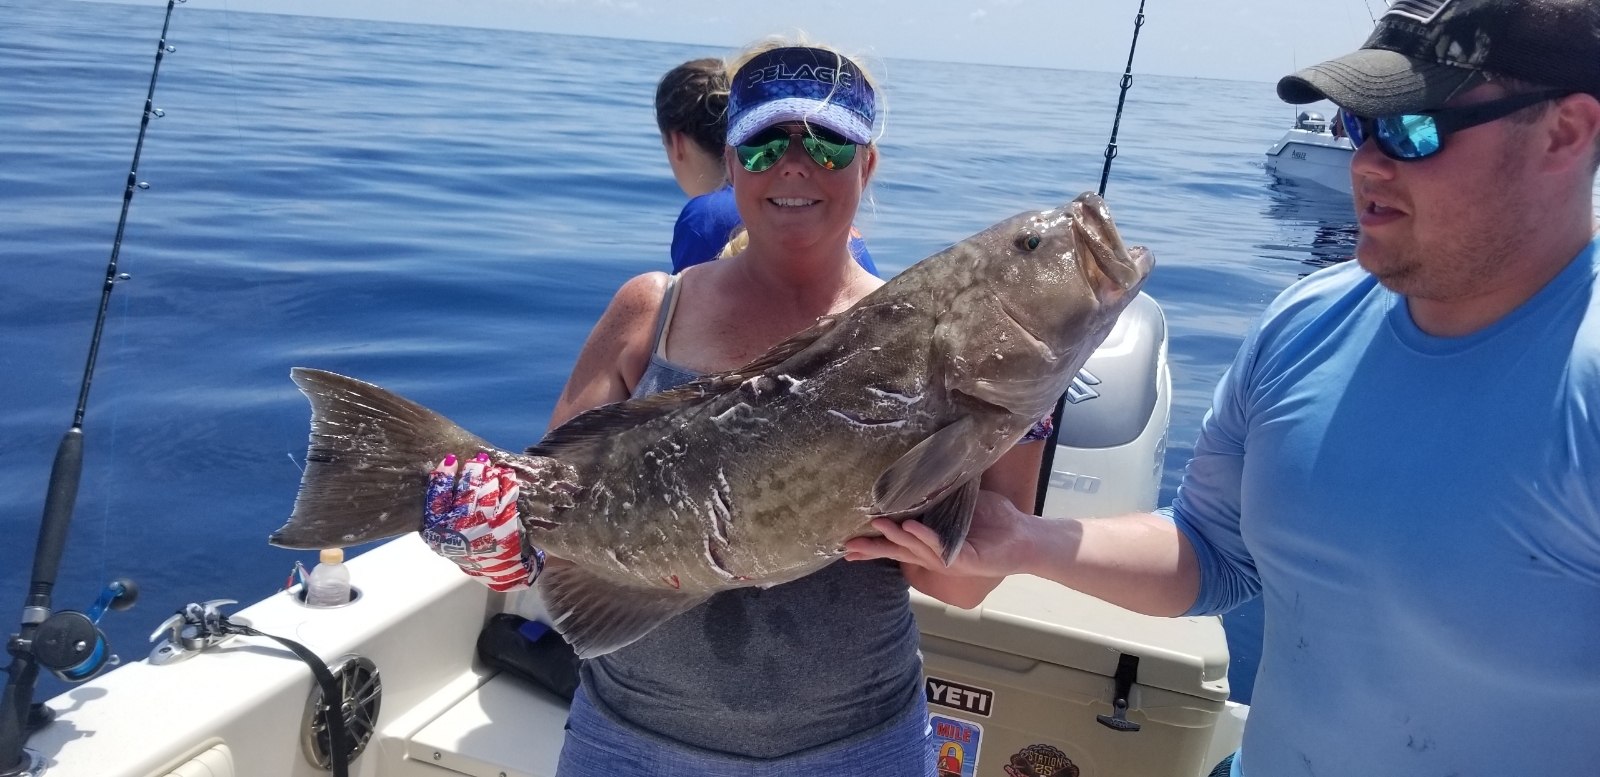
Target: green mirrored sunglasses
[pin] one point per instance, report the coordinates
(825, 147)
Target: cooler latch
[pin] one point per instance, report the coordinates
(1127, 674)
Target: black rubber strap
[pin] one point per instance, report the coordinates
(332, 697)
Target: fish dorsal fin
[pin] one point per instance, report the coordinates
(604, 421)
(927, 472)
(793, 344)
(952, 517)
(597, 616)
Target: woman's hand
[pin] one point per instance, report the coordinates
(473, 521)
(998, 544)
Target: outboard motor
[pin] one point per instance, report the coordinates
(1311, 121)
(1113, 438)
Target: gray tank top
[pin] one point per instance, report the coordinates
(766, 673)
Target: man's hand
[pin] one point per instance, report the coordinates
(1137, 561)
(998, 544)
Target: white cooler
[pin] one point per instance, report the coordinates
(1018, 687)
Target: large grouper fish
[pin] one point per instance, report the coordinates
(758, 476)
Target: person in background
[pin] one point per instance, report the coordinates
(692, 114)
(1404, 458)
(816, 676)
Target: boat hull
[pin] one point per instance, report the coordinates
(1315, 158)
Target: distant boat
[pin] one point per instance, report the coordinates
(1312, 153)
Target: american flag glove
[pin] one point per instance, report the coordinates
(472, 520)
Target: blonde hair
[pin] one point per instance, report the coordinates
(737, 243)
(740, 239)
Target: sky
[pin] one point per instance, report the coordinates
(1245, 40)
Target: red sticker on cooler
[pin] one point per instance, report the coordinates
(957, 746)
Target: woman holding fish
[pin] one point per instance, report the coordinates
(728, 431)
(820, 675)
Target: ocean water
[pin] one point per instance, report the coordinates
(446, 212)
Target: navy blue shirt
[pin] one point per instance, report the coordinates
(707, 221)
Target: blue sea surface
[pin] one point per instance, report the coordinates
(445, 212)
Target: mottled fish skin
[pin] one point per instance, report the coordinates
(758, 476)
(763, 478)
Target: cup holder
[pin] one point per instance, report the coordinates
(299, 594)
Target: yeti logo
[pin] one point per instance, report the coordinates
(967, 698)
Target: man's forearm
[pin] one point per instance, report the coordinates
(1138, 561)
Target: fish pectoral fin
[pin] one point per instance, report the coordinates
(597, 616)
(1028, 398)
(927, 472)
(952, 517)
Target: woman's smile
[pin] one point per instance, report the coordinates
(792, 202)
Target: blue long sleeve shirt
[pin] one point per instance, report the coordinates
(1422, 518)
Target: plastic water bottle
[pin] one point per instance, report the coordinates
(329, 583)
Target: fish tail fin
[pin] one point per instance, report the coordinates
(367, 466)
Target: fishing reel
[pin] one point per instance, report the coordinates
(70, 644)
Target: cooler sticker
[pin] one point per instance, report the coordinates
(1041, 761)
(957, 746)
(967, 698)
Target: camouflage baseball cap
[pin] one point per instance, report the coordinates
(1423, 52)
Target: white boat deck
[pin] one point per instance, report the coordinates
(238, 710)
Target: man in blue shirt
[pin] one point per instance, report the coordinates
(1404, 458)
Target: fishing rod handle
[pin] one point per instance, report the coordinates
(57, 522)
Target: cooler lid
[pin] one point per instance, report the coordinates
(1045, 621)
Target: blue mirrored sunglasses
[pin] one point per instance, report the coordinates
(1414, 136)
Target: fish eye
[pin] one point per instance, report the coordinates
(1027, 241)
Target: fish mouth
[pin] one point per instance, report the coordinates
(1113, 269)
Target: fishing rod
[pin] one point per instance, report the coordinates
(1045, 467)
(1127, 81)
(68, 643)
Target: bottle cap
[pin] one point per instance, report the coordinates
(332, 556)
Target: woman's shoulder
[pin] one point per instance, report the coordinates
(617, 349)
(628, 325)
(639, 298)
